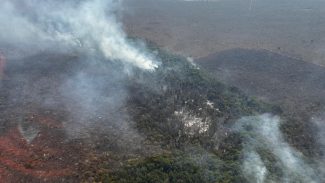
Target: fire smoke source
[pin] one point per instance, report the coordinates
(263, 132)
(91, 88)
(84, 26)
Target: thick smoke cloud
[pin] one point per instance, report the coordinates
(253, 167)
(82, 26)
(70, 57)
(268, 157)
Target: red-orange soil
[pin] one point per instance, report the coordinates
(48, 157)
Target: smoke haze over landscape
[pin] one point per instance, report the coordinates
(162, 91)
(74, 25)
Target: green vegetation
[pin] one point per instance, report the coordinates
(178, 85)
(163, 168)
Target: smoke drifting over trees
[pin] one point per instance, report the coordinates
(81, 26)
(269, 158)
(74, 56)
(71, 62)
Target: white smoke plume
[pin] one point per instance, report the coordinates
(70, 56)
(262, 132)
(253, 167)
(84, 26)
